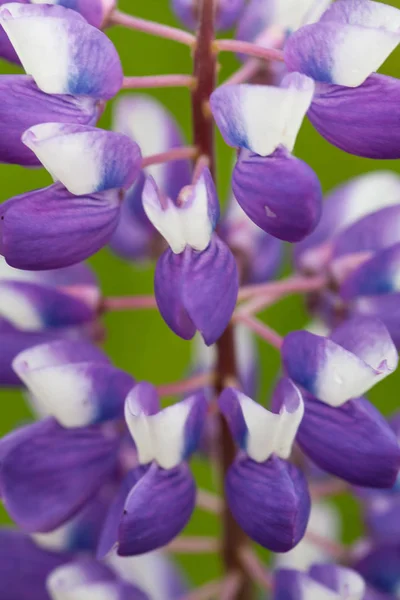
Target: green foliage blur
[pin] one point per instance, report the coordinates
(140, 342)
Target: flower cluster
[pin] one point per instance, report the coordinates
(99, 483)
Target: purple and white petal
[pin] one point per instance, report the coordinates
(353, 442)
(269, 500)
(342, 580)
(371, 130)
(72, 58)
(48, 478)
(262, 118)
(338, 368)
(148, 123)
(385, 307)
(227, 12)
(24, 567)
(296, 585)
(343, 206)
(94, 11)
(279, 193)
(86, 160)
(62, 352)
(258, 431)
(24, 105)
(156, 510)
(379, 565)
(51, 228)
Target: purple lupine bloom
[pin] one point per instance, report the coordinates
(24, 105)
(341, 53)
(72, 58)
(38, 307)
(322, 582)
(279, 192)
(196, 280)
(227, 12)
(335, 371)
(149, 124)
(160, 504)
(267, 495)
(380, 566)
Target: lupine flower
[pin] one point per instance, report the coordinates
(267, 495)
(279, 192)
(351, 40)
(95, 12)
(43, 306)
(88, 64)
(149, 124)
(227, 12)
(379, 566)
(196, 280)
(337, 423)
(162, 501)
(325, 582)
(24, 105)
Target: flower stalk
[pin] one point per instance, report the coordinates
(157, 29)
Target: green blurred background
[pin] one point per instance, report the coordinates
(140, 342)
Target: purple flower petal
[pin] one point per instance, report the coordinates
(353, 442)
(156, 510)
(86, 160)
(72, 58)
(280, 193)
(197, 290)
(49, 477)
(370, 130)
(342, 580)
(24, 105)
(380, 567)
(385, 308)
(226, 15)
(94, 11)
(270, 501)
(50, 228)
(24, 567)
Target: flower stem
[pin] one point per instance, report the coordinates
(171, 33)
(292, 285)
(249, 49)
(205, 70)
(184, 153)
(256, 569)
(186, 385)
(245, 73)
(265, 332)
(158, 81)
(193, 545)
(209, 501)
(119, 303)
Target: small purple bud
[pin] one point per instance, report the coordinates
(226, 15)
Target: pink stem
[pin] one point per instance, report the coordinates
(209, 591)
(184, 153)
(187, 385)
(245, 73)
(209, 501)
(118, 303)
(255, 568)
(171, 33)
(255, 305)
(249, 49)
(193, 545)
(230, 586)
(202, 162)
(335, 549)
(291, 285)
(329, 488)
(158, 81)
(265, 332)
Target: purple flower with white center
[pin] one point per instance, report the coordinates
(356, 356)
(74, 382)
(196, 280)
(263, 121)
(259, 254)
(51, 228)
(267, 495)
(86, 160)
(72, 58)
(322, 582)
(24, 105)
(227, 12)
(160, 504)
(149, 124)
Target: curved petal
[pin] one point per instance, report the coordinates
(61, 352)
(227, 12)
(72, 58)
(385, 308)
(380, 568)
(280, 193)
(353, 442)
(86, 160)
(156, 510)
(262, 118)
(270, 501)
(24, 105)
(49, 477)
(50, 228)
(356, 121)
(94, 11)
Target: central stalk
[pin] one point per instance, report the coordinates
(205, 70)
